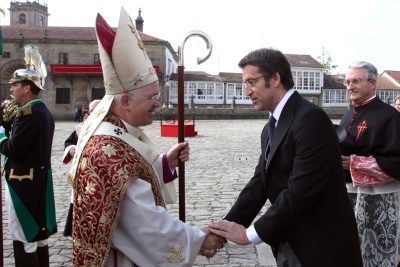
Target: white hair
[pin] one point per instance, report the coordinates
(372, 73)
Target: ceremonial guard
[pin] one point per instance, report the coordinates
(29, 198)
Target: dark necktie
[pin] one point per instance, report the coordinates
(271, 130)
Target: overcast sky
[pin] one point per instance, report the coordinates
(349, 30)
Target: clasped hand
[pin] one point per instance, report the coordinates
(212, 243)
(231, 231)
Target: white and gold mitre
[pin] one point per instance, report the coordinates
(125, 63)
(125, 66)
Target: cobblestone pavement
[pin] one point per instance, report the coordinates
(223, 157)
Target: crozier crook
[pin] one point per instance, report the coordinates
(181, 110)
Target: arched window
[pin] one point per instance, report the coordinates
(22, 18)
(40, 20)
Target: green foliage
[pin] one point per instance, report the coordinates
(326, 60)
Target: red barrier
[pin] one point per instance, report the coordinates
(169, 128)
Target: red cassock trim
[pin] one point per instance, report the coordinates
(75, 69)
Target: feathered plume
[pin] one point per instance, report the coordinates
(33, 61)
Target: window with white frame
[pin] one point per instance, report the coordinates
(388, 95)
(219, 91)
(230, 90)
(201, 90)
(306, 80)
(299, 81)
(236, 90)
(173, 94)
(334, 98)
(317, 80)
(211, 92)
(190, 89)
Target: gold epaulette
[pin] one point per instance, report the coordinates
(24, 111)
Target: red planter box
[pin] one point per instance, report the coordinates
(171, 130)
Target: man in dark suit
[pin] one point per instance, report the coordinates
(310, 221)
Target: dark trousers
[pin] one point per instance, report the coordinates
(285, 256)
(39, 258)
(68, 223)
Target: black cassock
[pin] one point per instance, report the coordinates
(375, 130)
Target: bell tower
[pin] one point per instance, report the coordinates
(28, 13)
(139, 22)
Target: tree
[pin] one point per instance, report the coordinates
(326, 60)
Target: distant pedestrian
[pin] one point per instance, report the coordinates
(78, 114)
(85, 111)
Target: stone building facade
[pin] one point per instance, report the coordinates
(71, 57)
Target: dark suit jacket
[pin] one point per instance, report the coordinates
(305, 185)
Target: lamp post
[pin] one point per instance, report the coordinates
(166, 89)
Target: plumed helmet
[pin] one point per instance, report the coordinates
(35, 70)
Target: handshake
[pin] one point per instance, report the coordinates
(218, 234)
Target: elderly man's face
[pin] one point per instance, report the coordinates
(359, 87)
(143, 103)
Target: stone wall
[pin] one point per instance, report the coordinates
(210, 114)
(230, 114)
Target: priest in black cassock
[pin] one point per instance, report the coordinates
(372, 170)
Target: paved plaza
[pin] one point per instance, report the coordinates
(222, 160)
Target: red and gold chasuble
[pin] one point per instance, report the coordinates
(106, 168)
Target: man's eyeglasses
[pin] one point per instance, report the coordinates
(251, 82)
(153, 98)
(355, 81)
